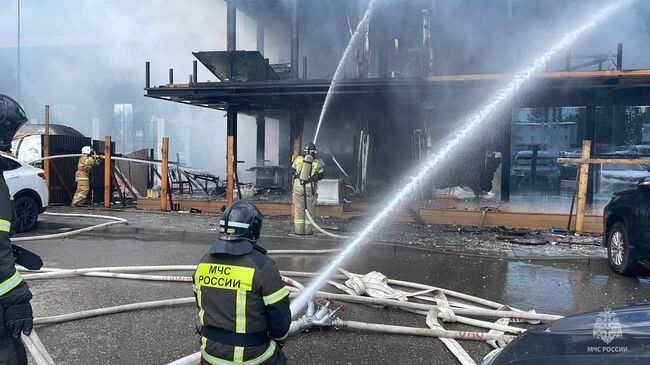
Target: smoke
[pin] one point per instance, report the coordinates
(84, 56)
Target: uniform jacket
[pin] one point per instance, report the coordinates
(85, 164)
(317, 170)
(12, 288)
(239, 291)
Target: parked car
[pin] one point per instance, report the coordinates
(27, 185)
(626, 231)
(547, 173)
(605, 336)
(614, 177)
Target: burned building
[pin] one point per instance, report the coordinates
(407, 83)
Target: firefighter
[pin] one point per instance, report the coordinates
(243, 304)
(15, 308)
(308, 170)
(82, 176)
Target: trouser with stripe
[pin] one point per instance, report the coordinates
(301, 224)
(83, 187)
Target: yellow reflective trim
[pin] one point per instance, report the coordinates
(7, 285)
(5, 226)
(238, 356)
(224, 276)
(298, 221)
(276, 296)
(197, 289)
(240, 312)
(217, 361)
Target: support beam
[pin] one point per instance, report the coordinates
(231, 154)
(46, 147)
(294, 40)
(164, 182)
(260, 122)
(231, 25)
(582, 187)
(506, 151)
(619, 57)
(260, 34)
(590, 134)
(107, 172)
(296, 133)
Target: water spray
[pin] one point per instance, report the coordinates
(470, 125)
(340, 67)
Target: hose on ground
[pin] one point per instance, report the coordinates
(113, 220)
(321, 230)
(36, 349)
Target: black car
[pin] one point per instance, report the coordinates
(605, 337)
(626, 231)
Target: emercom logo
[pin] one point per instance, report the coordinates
(607, 328)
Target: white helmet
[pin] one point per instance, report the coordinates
(86, 150)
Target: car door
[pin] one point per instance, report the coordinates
(11, 177)
(639, 230)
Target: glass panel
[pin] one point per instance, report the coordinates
(621, 132)
(539, 137)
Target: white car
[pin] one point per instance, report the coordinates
(27, 186)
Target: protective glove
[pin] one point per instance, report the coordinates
(19, 317)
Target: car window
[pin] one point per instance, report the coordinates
(9, 164)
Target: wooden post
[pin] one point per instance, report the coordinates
(582, 186)
(46, 147)
(164, 173)
(107, 172)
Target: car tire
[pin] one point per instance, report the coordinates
(618, 250)
(26, 213)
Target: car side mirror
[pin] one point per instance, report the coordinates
(644, 184)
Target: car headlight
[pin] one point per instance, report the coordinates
(489, 358)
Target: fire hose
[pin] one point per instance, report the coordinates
(113, 220)
(446, 310)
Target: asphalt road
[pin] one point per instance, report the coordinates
(163, 335)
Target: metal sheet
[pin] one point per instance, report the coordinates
(247, 65)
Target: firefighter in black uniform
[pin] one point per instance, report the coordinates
(15, 309)
(243, 304)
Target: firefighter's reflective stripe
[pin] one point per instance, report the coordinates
(238, 356)
(276, 297)
(12, 282)
(5, 226)
(225, 276)
(197, 290)
(240, 315)
(217, 361)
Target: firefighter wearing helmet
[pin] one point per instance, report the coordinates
(243, 304)
(15, 308)
(87, 161)
(308, 170)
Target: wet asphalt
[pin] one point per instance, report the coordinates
(550, 285)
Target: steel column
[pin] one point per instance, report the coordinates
(590, 134)
(231, 25)
(506, 152)
(231, 154)
(294, 40)
(107, 172)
